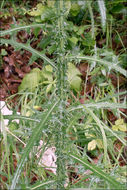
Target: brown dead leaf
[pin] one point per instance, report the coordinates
(114, 80)
(19, 72)
(26, 68)
(83, 69)
(3, 93)
(7, 71)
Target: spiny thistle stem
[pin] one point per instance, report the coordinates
(60, 128)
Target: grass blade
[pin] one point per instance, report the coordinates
(27, 149)
(105, 127)
(39, 185)
(96, 119)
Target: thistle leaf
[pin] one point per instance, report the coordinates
(102, 10)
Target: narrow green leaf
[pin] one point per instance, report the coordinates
(97, 171)
(39, 185)
(115, 105)
(5, 32)
(34, 137)
(97, 120)
(28, 48)
(102, 9)
(20, 117)
(109, 64)
(104, 105)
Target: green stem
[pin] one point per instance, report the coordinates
(61, 115)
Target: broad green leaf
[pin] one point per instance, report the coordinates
(80, 30)
(99, 143)
(47, 73)
(31, 80)
(49, 68)
(73, 40)
(72, 71)
(98, 172)
(119, 122)
(75, 9)
(73, 77)
(36, 31)
(47, 14)
(3, 52)
(88, 40)
(118, 8)
(76, 83)
(119, 125)
(37, 11)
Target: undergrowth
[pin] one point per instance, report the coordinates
(49, 101)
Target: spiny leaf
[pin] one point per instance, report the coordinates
(97, 171)
(5, 32)
(102, 9)
(105, 126)
(109, 64)
(33, 139)
(28, 48)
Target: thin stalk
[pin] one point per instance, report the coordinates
(61, 86)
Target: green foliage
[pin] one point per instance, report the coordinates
(68, 32)
(102, 9)
(34, 138)
(73, 77)
(119, 125)
(37, 11)
(98, 172)
(31, 80)
(88, 40)
(3, 52)
(45, 77)
(75, 9)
